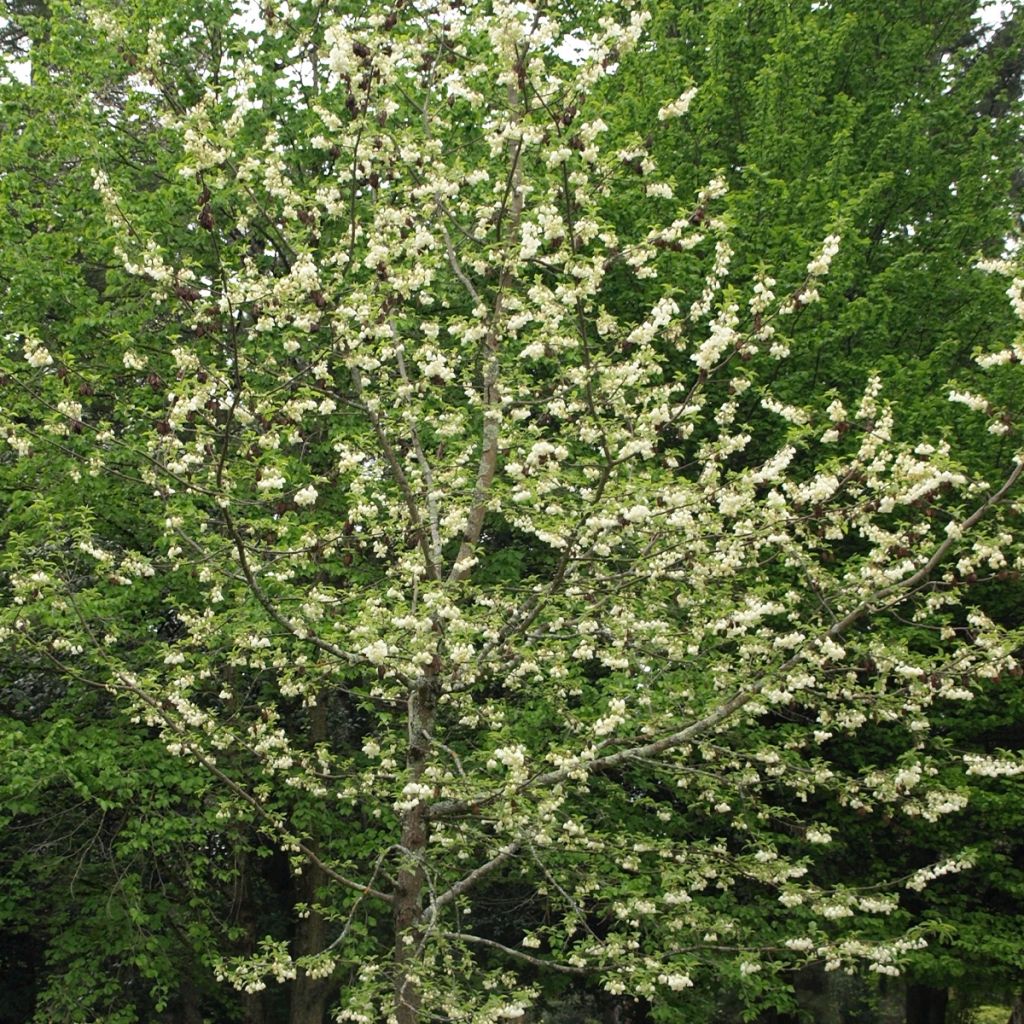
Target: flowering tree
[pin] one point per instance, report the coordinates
(456, 577)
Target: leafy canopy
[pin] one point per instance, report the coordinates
(363, 480)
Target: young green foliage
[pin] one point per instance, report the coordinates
(452, 571)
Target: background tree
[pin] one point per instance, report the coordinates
(902, 125)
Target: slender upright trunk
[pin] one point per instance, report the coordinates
(1017, 1010)
(252, 1008)
(408, 899)
(253, 1004)
(185, 1008)
(308, 997)
(407, 906)
(926, 1005)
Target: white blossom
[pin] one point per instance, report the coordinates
(678, 106)
(306, 496)
(36, 354)
(676, 982)
(819, 266)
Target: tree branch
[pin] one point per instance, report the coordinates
(467, 883)
(452, 808)
(489, 392)
(548, 965)
(268, 606)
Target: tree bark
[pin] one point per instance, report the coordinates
(252, 1008)
(253, 1003)
(188, 996)
(308, 996)
(926, 1005)
(1017, 1011)
(407, 907)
